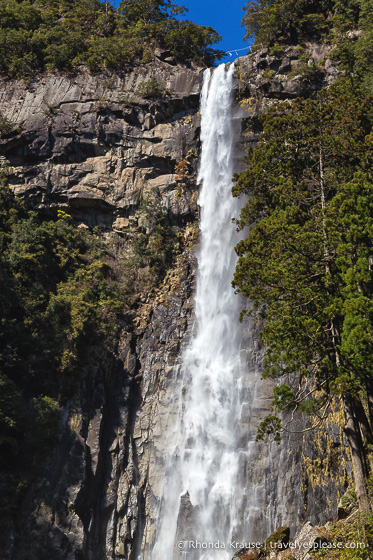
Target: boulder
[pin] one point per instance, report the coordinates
(347, 504)
(305, 540)
(278, 540)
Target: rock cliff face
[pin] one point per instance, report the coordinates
(92, 146)
(100, 495)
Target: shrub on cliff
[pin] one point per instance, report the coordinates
(5, 126)
(151, 88)
(154, 247)
(59, 299)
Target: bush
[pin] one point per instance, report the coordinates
(5, 126)
(151, 88)
(60, 301)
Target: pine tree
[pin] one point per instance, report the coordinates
(306, 262)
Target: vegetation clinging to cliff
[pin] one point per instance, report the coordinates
(60, 35)
(58, 298)
(65, 297)
(346, 24)
(58, 294)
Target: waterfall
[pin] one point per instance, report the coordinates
(210, 497)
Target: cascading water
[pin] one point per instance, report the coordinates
(210, 497)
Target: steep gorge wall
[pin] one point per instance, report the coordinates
(92, 146)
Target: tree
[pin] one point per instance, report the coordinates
(364, 46)
(296, 21)
(305, 264)
(148, 11)
(60, 301)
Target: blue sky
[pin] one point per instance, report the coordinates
(224, 16)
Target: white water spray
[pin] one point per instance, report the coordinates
(206, 498)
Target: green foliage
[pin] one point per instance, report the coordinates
(187, 40)
(354, 535)
(63, 35)
(11, 210)
(283, 397)
(63, 300)
(45, 420)
(353, 40)
(297, 21)
(347, 25)
(286, 21)
(5, 126)
(308, 71)
(349, 500)
(59, 298)
(276, 50)
(268, 74)
(151, 88)
(278, 539)
(148, 11)
(306, 262)
(10, 413)
(270, 427)
(362, 50)
(154, 248)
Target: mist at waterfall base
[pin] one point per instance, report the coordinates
(209, 496)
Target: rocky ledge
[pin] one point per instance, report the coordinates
(92, 144)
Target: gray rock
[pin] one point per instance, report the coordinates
(305, 540)
(90, 145)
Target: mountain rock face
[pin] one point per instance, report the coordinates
(286, 73)
(92, 146)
